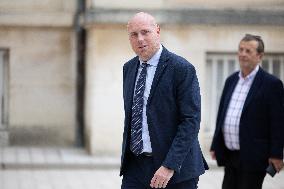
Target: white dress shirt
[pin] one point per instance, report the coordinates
(235, 108)
(151, 69)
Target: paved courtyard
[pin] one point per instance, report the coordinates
(98, 179)
(55, 168)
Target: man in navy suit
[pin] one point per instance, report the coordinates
(250, 122)
(160, 146)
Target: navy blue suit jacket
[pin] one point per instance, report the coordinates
(173, 116)
(261, 123)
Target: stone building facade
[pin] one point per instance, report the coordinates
(38, 54)
(40, 39)
(207, 33)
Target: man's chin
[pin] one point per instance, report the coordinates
(144, 56)
(244, 64)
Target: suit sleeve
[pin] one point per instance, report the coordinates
(276, 113)
(188, 103)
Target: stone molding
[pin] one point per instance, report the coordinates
(165, 16)
(37, 19)
(188, 16)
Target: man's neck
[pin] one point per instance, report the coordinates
(246, 72)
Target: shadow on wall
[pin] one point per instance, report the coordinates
(38, 136)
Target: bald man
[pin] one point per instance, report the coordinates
(161, 95)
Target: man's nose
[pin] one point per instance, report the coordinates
(242, 53)
(140, 37)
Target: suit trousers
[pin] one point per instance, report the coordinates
(237, 178)
(140, 170)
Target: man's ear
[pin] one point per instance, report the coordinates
(261, 55)
(158, 29)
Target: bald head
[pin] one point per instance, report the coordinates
(142, 17)
(144, 35)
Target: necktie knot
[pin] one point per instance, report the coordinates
(144, 66)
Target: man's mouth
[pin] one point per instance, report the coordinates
(243, 59)
(142, 47)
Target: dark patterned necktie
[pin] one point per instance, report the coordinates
(136, 142)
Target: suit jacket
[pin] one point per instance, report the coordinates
(173, 116)
(261, 123)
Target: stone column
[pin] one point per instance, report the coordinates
(4, 134)
(107, 50)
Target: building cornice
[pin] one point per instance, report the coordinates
(166, 16)
(37, 19)
(188, 16)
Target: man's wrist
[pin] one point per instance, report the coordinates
(169, 167)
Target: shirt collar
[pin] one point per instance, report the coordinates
(155, 59)
(251, 75)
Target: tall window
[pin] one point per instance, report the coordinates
(218, 67)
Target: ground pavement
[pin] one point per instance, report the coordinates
(56, 168)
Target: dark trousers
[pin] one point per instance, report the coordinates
(237, 178)
(139, 172)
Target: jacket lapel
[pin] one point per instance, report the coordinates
(231, 88)
(253, 89)
(130, 83)
(163, 62)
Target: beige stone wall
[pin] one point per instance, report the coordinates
(41, 79)
(109, 49)
(42, 62)
(41, 43)
(44, 13)
(38, 6)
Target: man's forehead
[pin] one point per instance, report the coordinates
(141, 19)
(249, 43)
(140, 25)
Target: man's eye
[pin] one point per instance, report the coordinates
(145, 32)
(133, 34)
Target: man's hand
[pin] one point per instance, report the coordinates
(161, 177)
(277, 163)
(213, 156)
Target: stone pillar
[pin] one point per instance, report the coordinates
(4, 134)
(107, 51)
